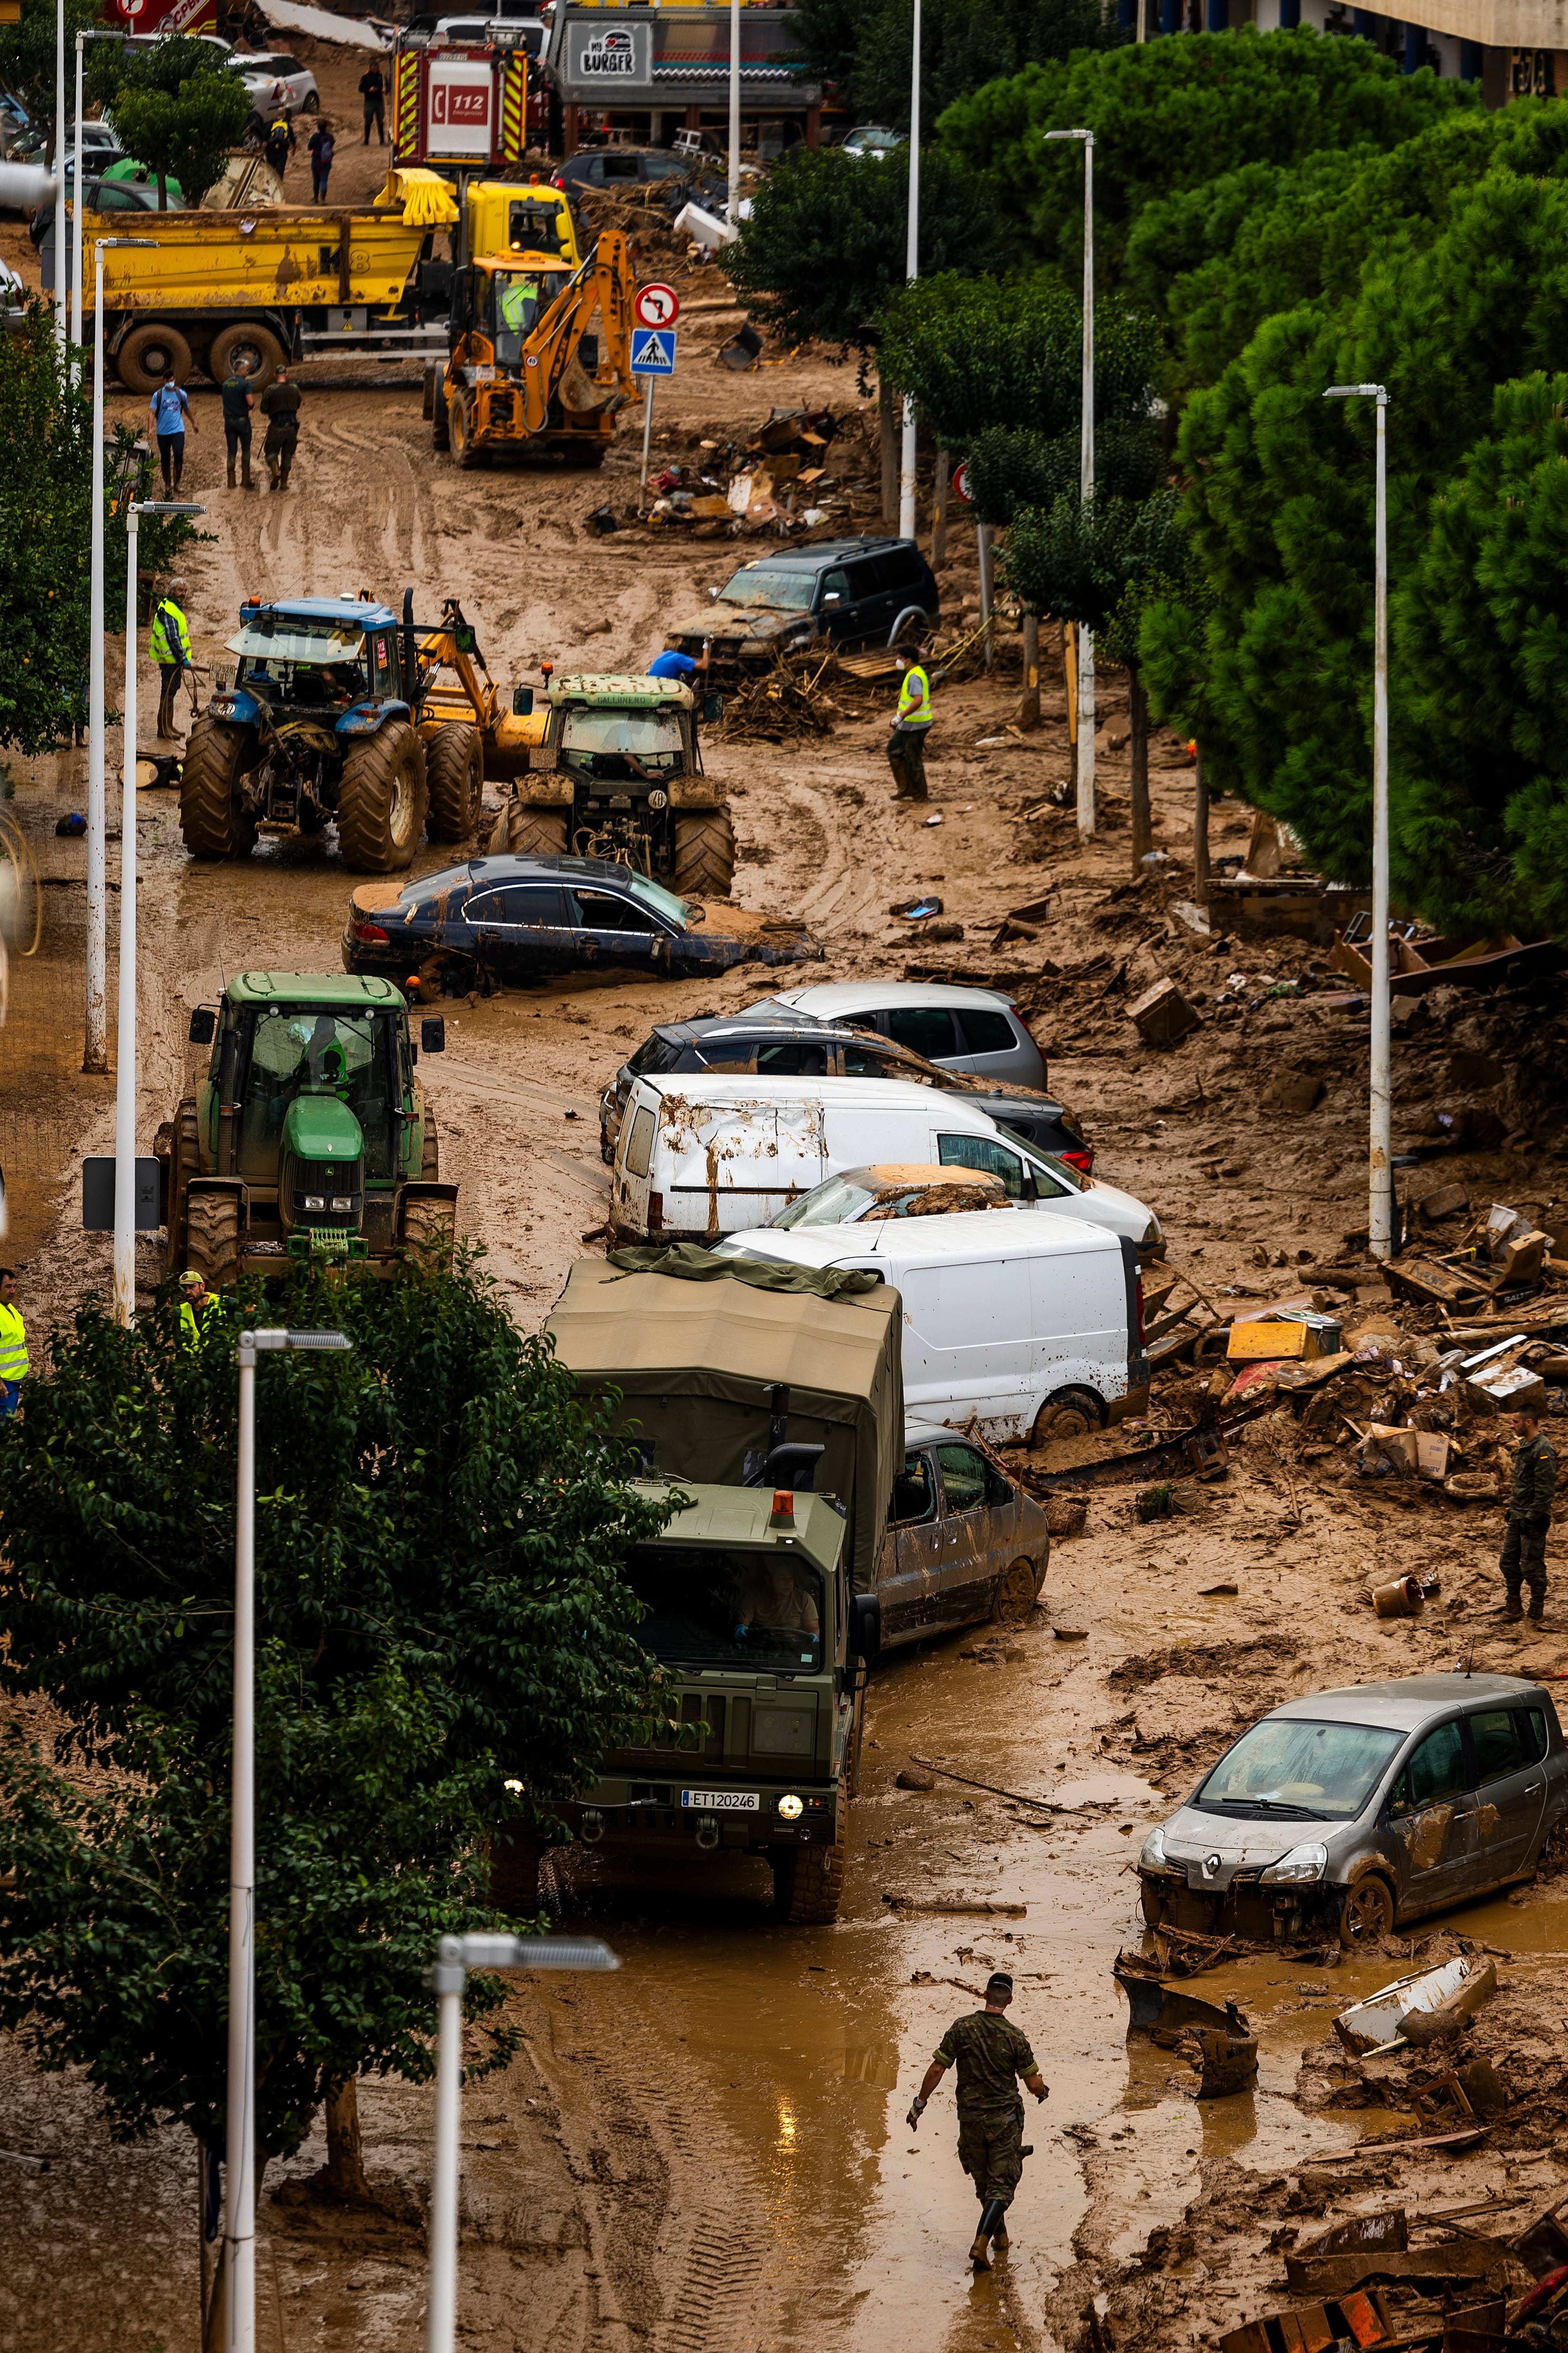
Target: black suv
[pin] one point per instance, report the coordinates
(787, 1045)
(853, 592)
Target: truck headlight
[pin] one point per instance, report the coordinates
(315, 1201)
(791, 1808)
(1153, 1855)
(343, 1200)
(1302, 1864)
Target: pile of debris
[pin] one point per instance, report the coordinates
(780, 705)
(780, 482)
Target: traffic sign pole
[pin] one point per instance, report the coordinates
(653, 354)
(646, 426)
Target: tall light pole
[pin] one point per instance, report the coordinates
(95, 1054)
(125, 1041)
(60, 297)
(912, 270)
(734, 214)
(77, 200)
(1086, 491)
(1380, 1141)
(240, 2171)
(455, 1956)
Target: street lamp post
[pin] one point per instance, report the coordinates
(60, 175)
(125, 1041)
(912, 271)
(239, 2182)
(455, 1956)
(77, 201)
(733, 212)
(1380, 1141)
(1086, 491)
(95, 1055)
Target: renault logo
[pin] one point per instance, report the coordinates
(1211, 1864)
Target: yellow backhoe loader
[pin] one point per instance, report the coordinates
(466, 728)
(541, 355)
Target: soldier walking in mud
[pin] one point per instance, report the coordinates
(990, 2054)
(1529, 1518)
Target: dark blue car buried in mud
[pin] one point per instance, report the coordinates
(510, 920)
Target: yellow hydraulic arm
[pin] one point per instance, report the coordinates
(602, 287)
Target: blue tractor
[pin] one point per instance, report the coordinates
(318, 725)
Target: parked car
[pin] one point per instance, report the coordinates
(851, 591)
(1357, 1811)
(966, 1542)
(873, 139)
(792, 1045)
(277, 83)
(1030, 1327)
(500, 921)
(101, 197)
(704, 1155)
(977, 1030)
(618, 167)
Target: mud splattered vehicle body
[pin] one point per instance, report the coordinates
(1352, 1811)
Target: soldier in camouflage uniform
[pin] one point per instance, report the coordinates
(1529, 1518)
(990, 2054)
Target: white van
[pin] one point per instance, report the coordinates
(704, 1153)
(1031, 1328)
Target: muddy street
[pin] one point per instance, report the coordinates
(707, 2152)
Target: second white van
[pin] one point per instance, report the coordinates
(703, 1154)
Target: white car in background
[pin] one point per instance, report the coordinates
(277, 82)
(977, 1030)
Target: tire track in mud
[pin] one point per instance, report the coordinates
(846, 885)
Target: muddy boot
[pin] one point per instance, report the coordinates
(980, 2254)
(272, 471)
(231, 469)
(283, 475)
(245, 482)
(993, 2220)
(1538, 1607)
(1513, 1609)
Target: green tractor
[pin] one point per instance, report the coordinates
(309, 1137)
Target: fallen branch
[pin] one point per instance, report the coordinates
(1040, 1805)
(980, 1907)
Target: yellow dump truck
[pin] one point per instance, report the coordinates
(290, 282)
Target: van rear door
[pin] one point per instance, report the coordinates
(632, 1186)
(967, 1343)
(729, 1165)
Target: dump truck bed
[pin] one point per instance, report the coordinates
(227, 261)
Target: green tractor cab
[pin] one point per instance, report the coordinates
(320, 723)
(309, 1137)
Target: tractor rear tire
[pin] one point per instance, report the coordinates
(529, 832)
(429, 1233)
(808, 1881)
(515, 1860)
(440, 418)
(460, 430)
(212, 818)
(212, 1238)
(455, 765)
(704, 855)
(382, 800)
(430, 1150)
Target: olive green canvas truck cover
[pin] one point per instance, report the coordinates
(696, 1342)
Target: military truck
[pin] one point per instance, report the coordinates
(778, 1407)
(320, 723)
(619, 774)
(309, 1137)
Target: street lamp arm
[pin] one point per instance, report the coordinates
(1088, 136)
(1356, 391)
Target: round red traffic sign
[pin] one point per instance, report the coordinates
(960, 482)
(657, 306)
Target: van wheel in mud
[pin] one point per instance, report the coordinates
(1553, 1857)
(704, 855)
(1072, 1413)
(1015, 1595)
(212, 1238)
(1368, 1914)
(808, 1881)
(213, 819)
(382, 800)
(529, 832)
(455, 767)
(515, 1860)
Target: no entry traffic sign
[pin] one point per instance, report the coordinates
(657, 305)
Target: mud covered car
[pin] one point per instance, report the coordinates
(507, 920)
(1354, 1811)
(849, 592)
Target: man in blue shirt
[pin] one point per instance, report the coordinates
(171, 412)
(681, 667)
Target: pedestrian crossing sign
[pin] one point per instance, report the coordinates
(653, 351)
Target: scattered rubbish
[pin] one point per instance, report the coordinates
(1401, 1597)
(1193, 917)
(981, 1907)
(916, 910)
(1338, 2275)
(1217, 2044)
(1041, 1805)
(1543, 2244)
(1223, 2061)
(1415, 968)
(1473, 1486)
(1359, 2319)
(933, 820)
(1458, 1988)
(1070, 1633)
(156, 771)
(601, 521)
(1281, 1339)
(743, 348)
(1388, 2233)
(1154, 1503)
(1162, 1016)
(74, 824)
(1448, 1201)
(1476, 2089)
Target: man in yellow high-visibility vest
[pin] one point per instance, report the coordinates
(907, 741)
(14, 1366)
(168, 644)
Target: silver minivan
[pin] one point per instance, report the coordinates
(1357, 1810)
(977, 1030)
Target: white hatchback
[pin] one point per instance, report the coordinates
(277, 83)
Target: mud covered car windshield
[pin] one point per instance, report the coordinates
(761, 584)
(298, 663)
(616, 743)
(834, 1203)
(1299, 1770)
(723, 1607)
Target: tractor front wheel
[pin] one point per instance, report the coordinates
(704, 855)
(185, 1167)
(382, 800)
(455, 765)
(430, 1148)
(213, 819)
(427, 1233)
(212, 1238)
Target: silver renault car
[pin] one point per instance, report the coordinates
(1354, 1810)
